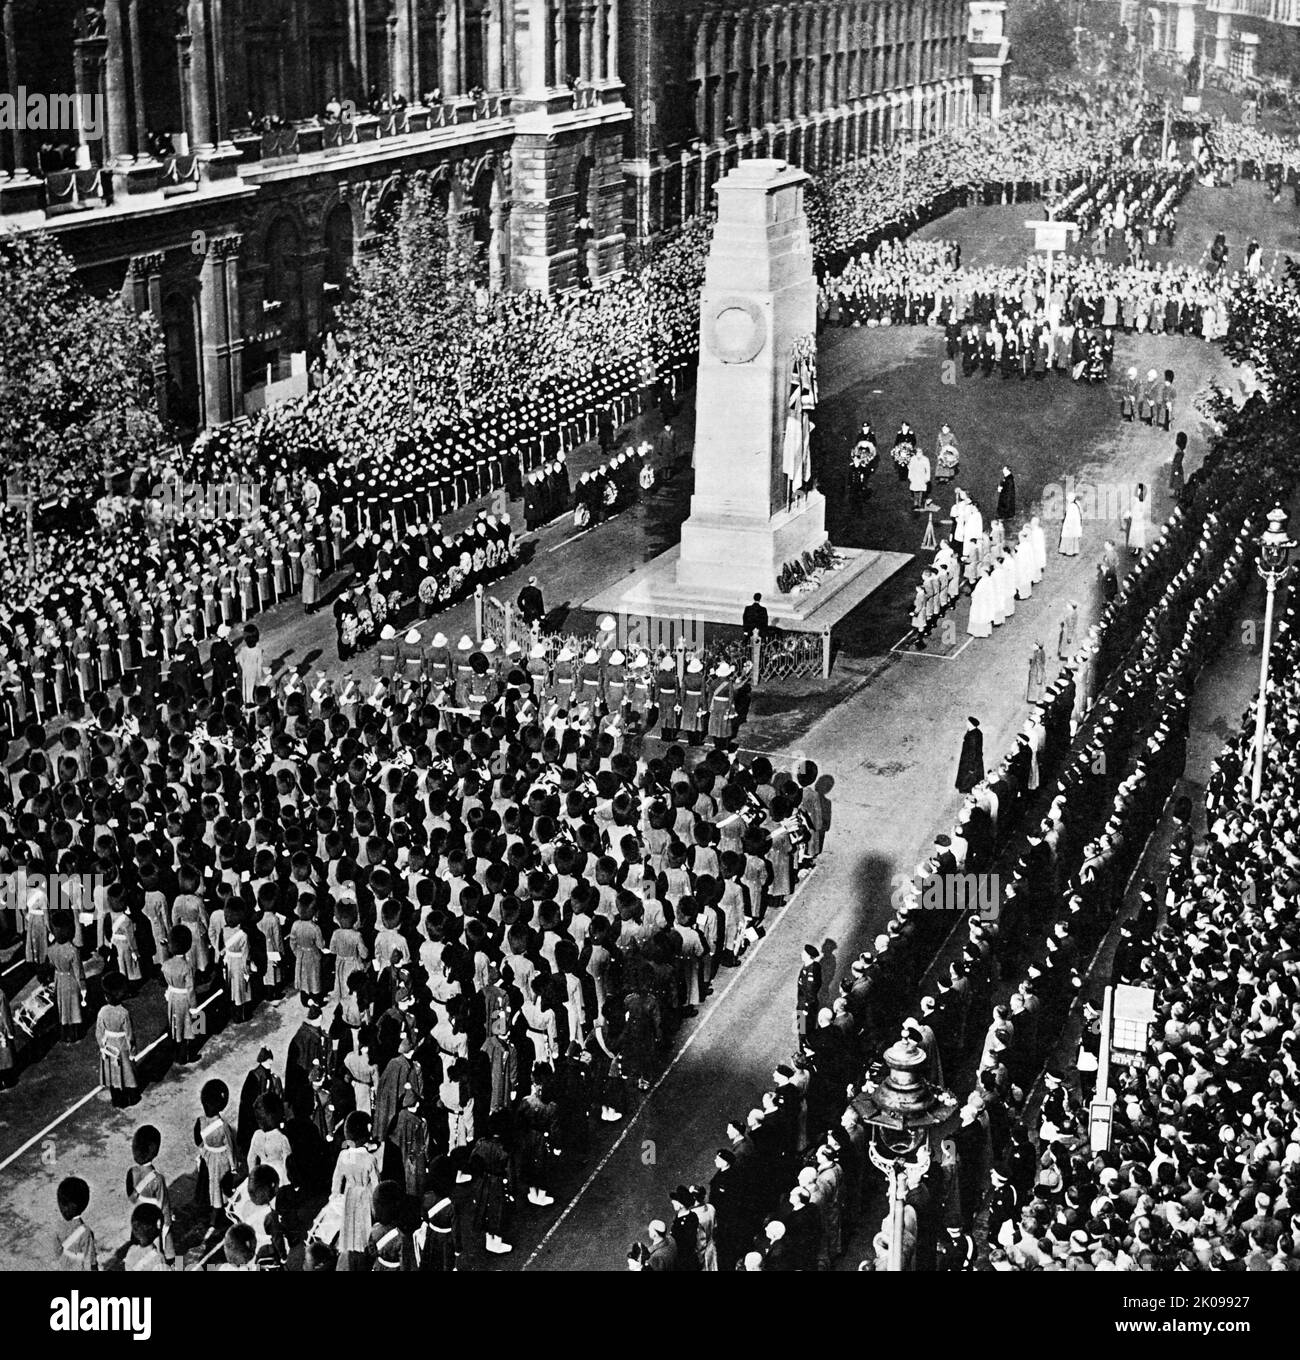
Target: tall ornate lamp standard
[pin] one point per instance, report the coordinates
(1274, 567)
(907, 1115)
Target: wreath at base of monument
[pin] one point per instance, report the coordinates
(804, 574)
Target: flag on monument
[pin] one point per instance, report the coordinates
(792, 449)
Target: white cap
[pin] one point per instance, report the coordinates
(616, 658)
(464, 645)
(537, 651)
(694, 667)
(641, 659)
(388, 633)
(488, 646)
(667, 664)
(723, 670)
(566, 654)
(413, 637)
(592, 656)
(439, 640)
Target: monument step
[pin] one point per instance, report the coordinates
(653, 591)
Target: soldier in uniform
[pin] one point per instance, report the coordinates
(560, 693)
(667, 702)
(591, 682)
(722, 706)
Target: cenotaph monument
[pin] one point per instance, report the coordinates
(754, 508)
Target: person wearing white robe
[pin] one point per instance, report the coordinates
(1071, 528)
(1005, 575)
(960, 512)
(997, 536)
(1039, 543)
(1137, 524)
(945, 563)
(997, 600)
(980, 624)
(1024, 560)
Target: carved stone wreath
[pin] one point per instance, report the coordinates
(736, 330)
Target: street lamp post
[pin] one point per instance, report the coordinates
(1274, 566)
(907, 1115)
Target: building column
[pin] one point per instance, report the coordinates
(117, 136)
(17, 141)
(1222, 40)
(144, 287)
(199, 84)
(223, 341)
(586, 41)
(560, 40)
(718, 65)
(449, 16)
(539, 49)
(494, 57)
(611, 42)
(357, 55)
(404, 46)
(599, 42)
(220, 107)
(996, 107)
(142, 149)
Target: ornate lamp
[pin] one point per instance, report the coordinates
(1274, 566)
(907, 1115)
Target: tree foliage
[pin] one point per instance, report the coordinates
(76, 392)
(1265, 322)
(1042, 43)
(415, 294)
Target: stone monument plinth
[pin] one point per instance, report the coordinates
(754, 508)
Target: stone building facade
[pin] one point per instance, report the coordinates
(224, 160)
(815, 82)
